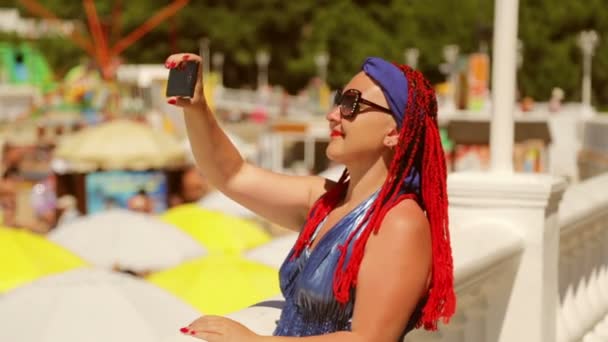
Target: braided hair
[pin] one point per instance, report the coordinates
(419, 147)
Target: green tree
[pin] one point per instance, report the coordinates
(293, 32)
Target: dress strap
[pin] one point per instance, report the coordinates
(316, 232)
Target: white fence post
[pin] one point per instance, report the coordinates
(528, 203)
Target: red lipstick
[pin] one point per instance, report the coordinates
(335, 133)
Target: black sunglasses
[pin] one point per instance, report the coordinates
(349, 102)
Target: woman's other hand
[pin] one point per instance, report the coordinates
(219, 329)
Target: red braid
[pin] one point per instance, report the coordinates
(419, 135)
(319, 211)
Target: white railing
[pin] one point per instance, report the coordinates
(16, 101)
(583, 261)
(486, 255)
(527, 266)
(275, 104)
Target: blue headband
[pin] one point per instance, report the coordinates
(393, 83)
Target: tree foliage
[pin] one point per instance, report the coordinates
(293, 32)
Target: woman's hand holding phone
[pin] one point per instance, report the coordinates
(182, 88)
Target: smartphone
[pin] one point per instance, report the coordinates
(183, 80)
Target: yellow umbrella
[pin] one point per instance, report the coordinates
(26, 256)
(217, 232)
(218, 285)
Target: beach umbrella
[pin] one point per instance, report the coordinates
(91, 305)
(217, 201)
(249, 151)
(217, 232)
(219, 285)
(333, 172)
(26, 256)
(120, 145)
(273, 253)
(127, 240)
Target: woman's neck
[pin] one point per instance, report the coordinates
(365, 179)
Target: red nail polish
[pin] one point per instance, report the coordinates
(172, 65)
(184, 330)
(186, 57)
(192, 332)
(171, 101)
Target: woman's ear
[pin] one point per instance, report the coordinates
(392, 138)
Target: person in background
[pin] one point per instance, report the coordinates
(66, 209)
(193, 187)
(8, 197)
(141, 202)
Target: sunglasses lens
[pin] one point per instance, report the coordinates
(348, 104)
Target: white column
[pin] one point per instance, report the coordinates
(587, 41)
(262, 58)
(526, 204)
(503, 85)
(218, 66)
(520, 55)
(411, 57)
(204, 53)
(450, 54)
(277, 152)
(322, 60)
(309, 151)
(567, 265)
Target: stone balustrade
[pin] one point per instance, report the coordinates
(530, 265)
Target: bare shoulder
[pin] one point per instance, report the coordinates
(406, 213)
(404, 224)
(397, 260)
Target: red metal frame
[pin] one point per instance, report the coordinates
(100, 50)
(146, 27)
(98, 36)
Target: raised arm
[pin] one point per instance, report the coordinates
(282, 199)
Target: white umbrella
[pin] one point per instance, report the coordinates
(217, 201)
(119, 145)
(126, 239)
(274, 252)
(247, 150)
(333, 172)
(89, 305)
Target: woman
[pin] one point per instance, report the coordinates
(380, 234)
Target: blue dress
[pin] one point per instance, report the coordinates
(307, 283)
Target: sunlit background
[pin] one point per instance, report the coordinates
(105, 220)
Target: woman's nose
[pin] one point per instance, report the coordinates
(333, 114)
